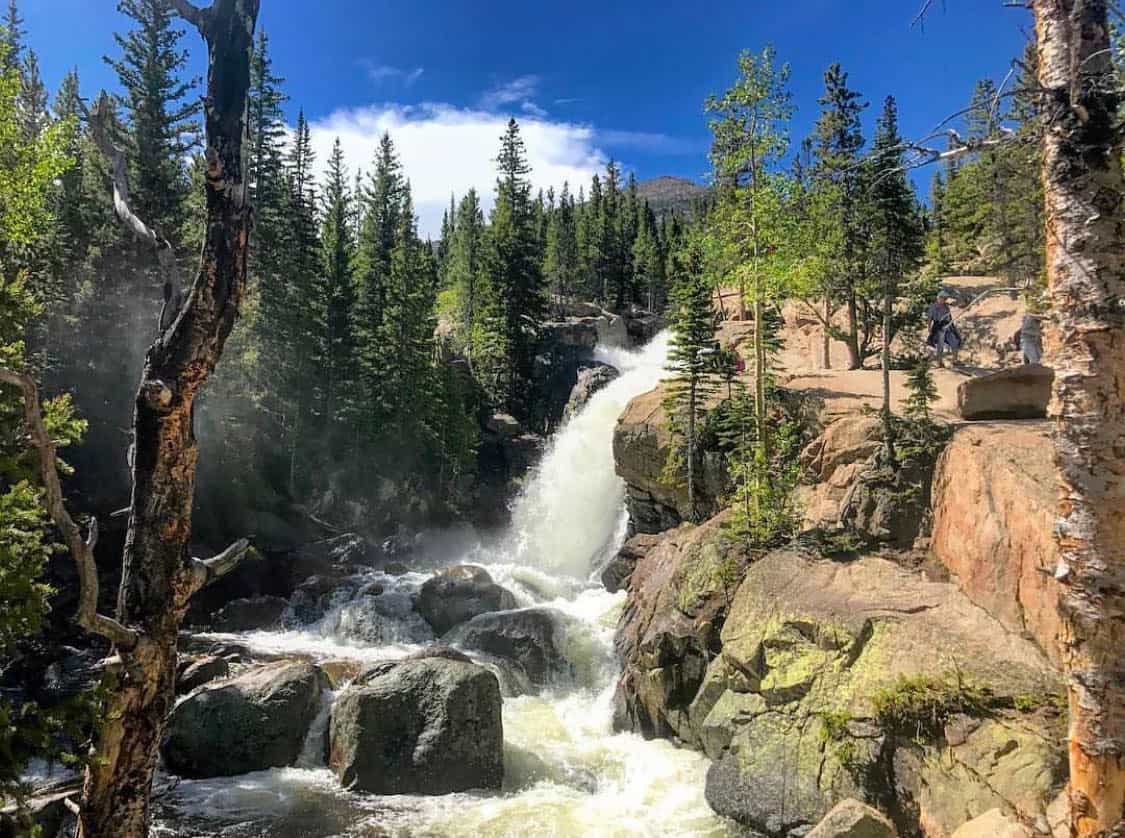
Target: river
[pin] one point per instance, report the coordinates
(566, 772)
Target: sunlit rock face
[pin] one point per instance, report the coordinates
(995, 501)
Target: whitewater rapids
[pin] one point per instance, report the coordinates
(566, 772)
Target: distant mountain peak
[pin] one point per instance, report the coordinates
(667, 193)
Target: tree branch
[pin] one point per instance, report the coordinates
(197, 17)
(206, 571)
(98, 117)
(81, 550)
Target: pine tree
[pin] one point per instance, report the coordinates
(466, 265)
(750, 140)
(516, 304)
(588, 231)
(32, 104)
(12, 34)
(629, 227)
(338, 243)
(382, 201)
(690, 364)
(561, 263)
(838, 142)
(608, 261)
(408, 329)
(648, 260)
(161, 113)
(923, 391)
(293, 323)
(266, 168)
(897, 240)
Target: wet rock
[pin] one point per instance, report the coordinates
(787, 710)
(669, 630)
(425, 726)
(1017, 393)
(852, 819)
(263, 612)
(532, 639)
(591, 379)
(255, 721)
(201, 671)
(642, 326)
(316, 595)
(995, 501)
(459, 593)
(378, 619)
(616, 574)
(340, 671)
(641, 444)
(336, 557)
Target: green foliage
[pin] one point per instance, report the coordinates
(29, 166)
(919, 707)
(514, 300)
(923, 391)
(691, 366)
(161, 113)
(987, 209)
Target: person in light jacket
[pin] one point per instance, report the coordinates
(943, 332)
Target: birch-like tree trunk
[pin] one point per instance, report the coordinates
(1084, 189)
(159, 575)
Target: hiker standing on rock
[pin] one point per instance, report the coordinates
(943, 332)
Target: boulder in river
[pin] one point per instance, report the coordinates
(256, 721)
(252, 614)
(591, 379)
(195, 673)
(531, 639)
(429, 725)
(458, 594)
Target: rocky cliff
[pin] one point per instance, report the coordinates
(916, 670)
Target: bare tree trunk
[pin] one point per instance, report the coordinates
(159, 575)
(855, 358)
(691, 447)
(827, 347)
(1086, 272)
(888, 417)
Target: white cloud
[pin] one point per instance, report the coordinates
(379, 73)
(445, 149)
(533, 109)
(521, 89)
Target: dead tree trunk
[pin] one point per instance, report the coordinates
(159, 575)
(1084, 189)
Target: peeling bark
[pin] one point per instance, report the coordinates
(159, 575)
(1084, 190)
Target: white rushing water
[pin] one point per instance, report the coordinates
(566, 772)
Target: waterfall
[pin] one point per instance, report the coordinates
(571, 512)
(567, 773)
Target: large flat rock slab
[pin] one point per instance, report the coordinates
(1017, 393)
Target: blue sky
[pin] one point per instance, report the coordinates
(620, 78)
